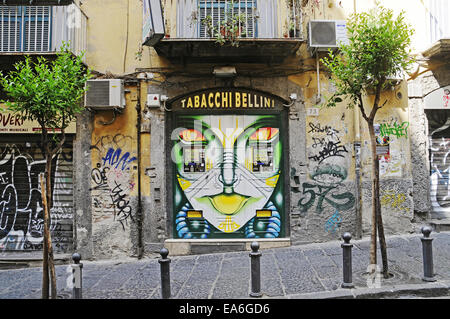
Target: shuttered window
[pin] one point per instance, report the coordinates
(221, 10)
(25, 28)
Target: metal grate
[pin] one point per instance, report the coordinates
(98, 93)
(295, 20)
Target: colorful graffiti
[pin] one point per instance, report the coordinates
(228, 176)
(21, 210)
(112, 179)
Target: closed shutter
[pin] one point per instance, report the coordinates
(439, 139)
(186, 23)
(267, 21)
(21, 211)
(25, 28)
(37, 29)
(10, 26)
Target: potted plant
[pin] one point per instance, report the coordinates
(228, 30)
(289, 29)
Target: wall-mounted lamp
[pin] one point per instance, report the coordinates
(293, 98)
(224, 71)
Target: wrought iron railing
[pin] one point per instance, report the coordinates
(252, 18)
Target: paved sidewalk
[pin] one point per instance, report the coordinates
(307, 271)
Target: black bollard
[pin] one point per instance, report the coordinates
(77, 277)
(255, 270)
(165, 273)
(347, 260)
(427, 250)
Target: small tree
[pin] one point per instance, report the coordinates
(377, 50)
(48, 92)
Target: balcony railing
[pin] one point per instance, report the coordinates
(258, 19)
(42, 29)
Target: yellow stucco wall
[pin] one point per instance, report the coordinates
(114, 36)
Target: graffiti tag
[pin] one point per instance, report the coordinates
(320, 193)
(330, 149)
(393, 199)
(394, 129)
(333, 223)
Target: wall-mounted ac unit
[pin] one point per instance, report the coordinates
(326, 34)
(105, 94)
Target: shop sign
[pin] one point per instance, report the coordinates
(13, 123)
(225, 99)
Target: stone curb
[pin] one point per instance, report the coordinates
(432, 289)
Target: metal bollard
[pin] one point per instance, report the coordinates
(255, 270)
(347, 260)
(165, 273)
(427, 250)
(77, 277)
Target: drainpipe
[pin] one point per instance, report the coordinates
(140, 248)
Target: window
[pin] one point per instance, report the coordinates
(25, 28)
(221, 10)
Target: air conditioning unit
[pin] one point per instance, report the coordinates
(105, 94)
(326, 34)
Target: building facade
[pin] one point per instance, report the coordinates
(218, 136)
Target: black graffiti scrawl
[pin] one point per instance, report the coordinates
(21, 211)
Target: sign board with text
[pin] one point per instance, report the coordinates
(12, 123)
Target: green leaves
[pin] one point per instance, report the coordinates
(377, 49)
(48, 92)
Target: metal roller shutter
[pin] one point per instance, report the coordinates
(21, 213)
(439, 139)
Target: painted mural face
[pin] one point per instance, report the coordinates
(228, 172)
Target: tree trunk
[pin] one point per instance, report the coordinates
(375, 195)
(377, 220)
(45, 279)
(47, 205)
(382, 240)
(376, 208)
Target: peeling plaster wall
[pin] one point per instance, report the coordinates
(396, 179)
(113, 180)
(82, 197)
(323, 172)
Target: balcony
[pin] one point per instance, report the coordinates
(245, 31)
(39, 30)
